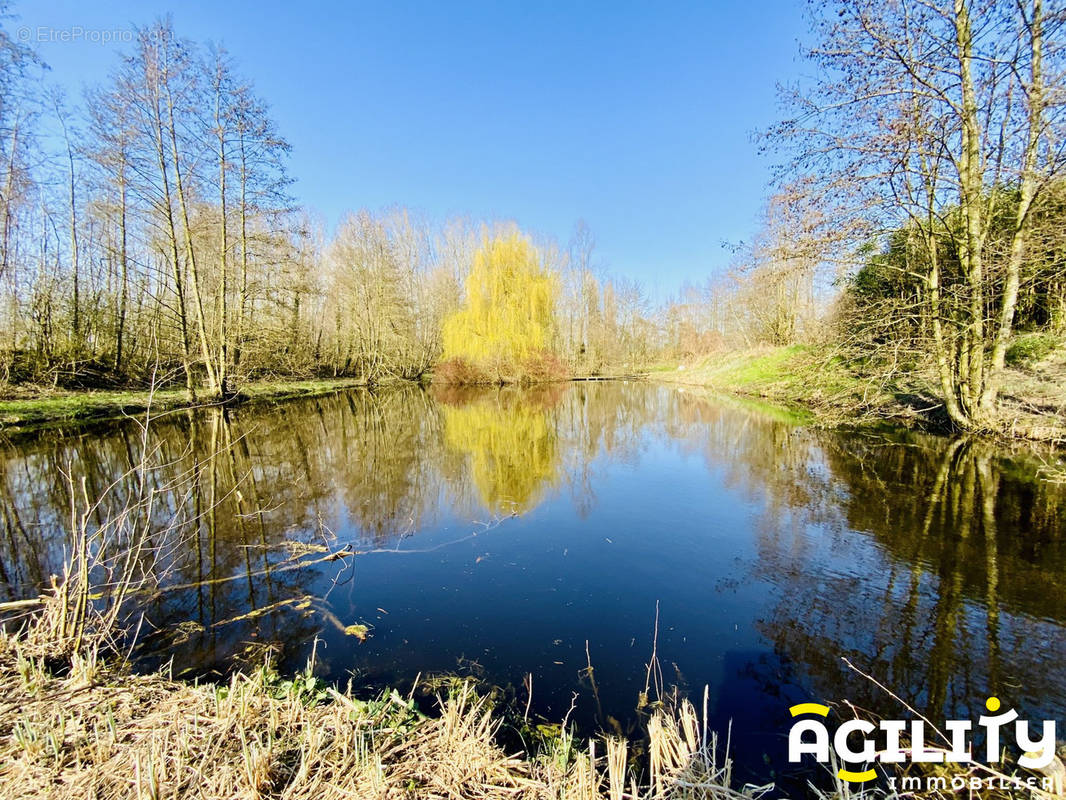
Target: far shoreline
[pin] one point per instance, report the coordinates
(792, 381)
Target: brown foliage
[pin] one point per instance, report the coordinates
(542, 367)
(458, 371)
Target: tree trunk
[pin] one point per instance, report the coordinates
(190, 253)
(223, 256)
(1027, 191)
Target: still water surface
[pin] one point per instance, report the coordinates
(508, 533)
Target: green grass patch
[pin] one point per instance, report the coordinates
(662, 366)
(792, 376)
(1029, 348)
(757, 369)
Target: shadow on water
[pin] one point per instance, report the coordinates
(517, 534)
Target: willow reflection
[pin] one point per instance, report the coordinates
(509, 440)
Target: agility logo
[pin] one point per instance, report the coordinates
(858, 743)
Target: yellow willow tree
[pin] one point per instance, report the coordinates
(508, 314)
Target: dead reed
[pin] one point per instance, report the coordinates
(93, 730)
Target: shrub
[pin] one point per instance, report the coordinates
(540, 367)
(543, 366)
(458, 371)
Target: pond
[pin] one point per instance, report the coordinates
(522, 536)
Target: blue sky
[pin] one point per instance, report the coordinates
(636, 117)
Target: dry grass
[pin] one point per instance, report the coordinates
(84, 729)
(92, 731)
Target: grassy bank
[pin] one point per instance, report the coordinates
(37, 407)
(1033, 399)
(792, 376)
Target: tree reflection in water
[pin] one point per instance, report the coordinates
(509, 440)
(937, 565)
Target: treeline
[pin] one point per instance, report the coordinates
(917, 227)
(152, 237)
(150, 232)
(778, 289)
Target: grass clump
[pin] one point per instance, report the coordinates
(91, 729)
(1029, 348)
